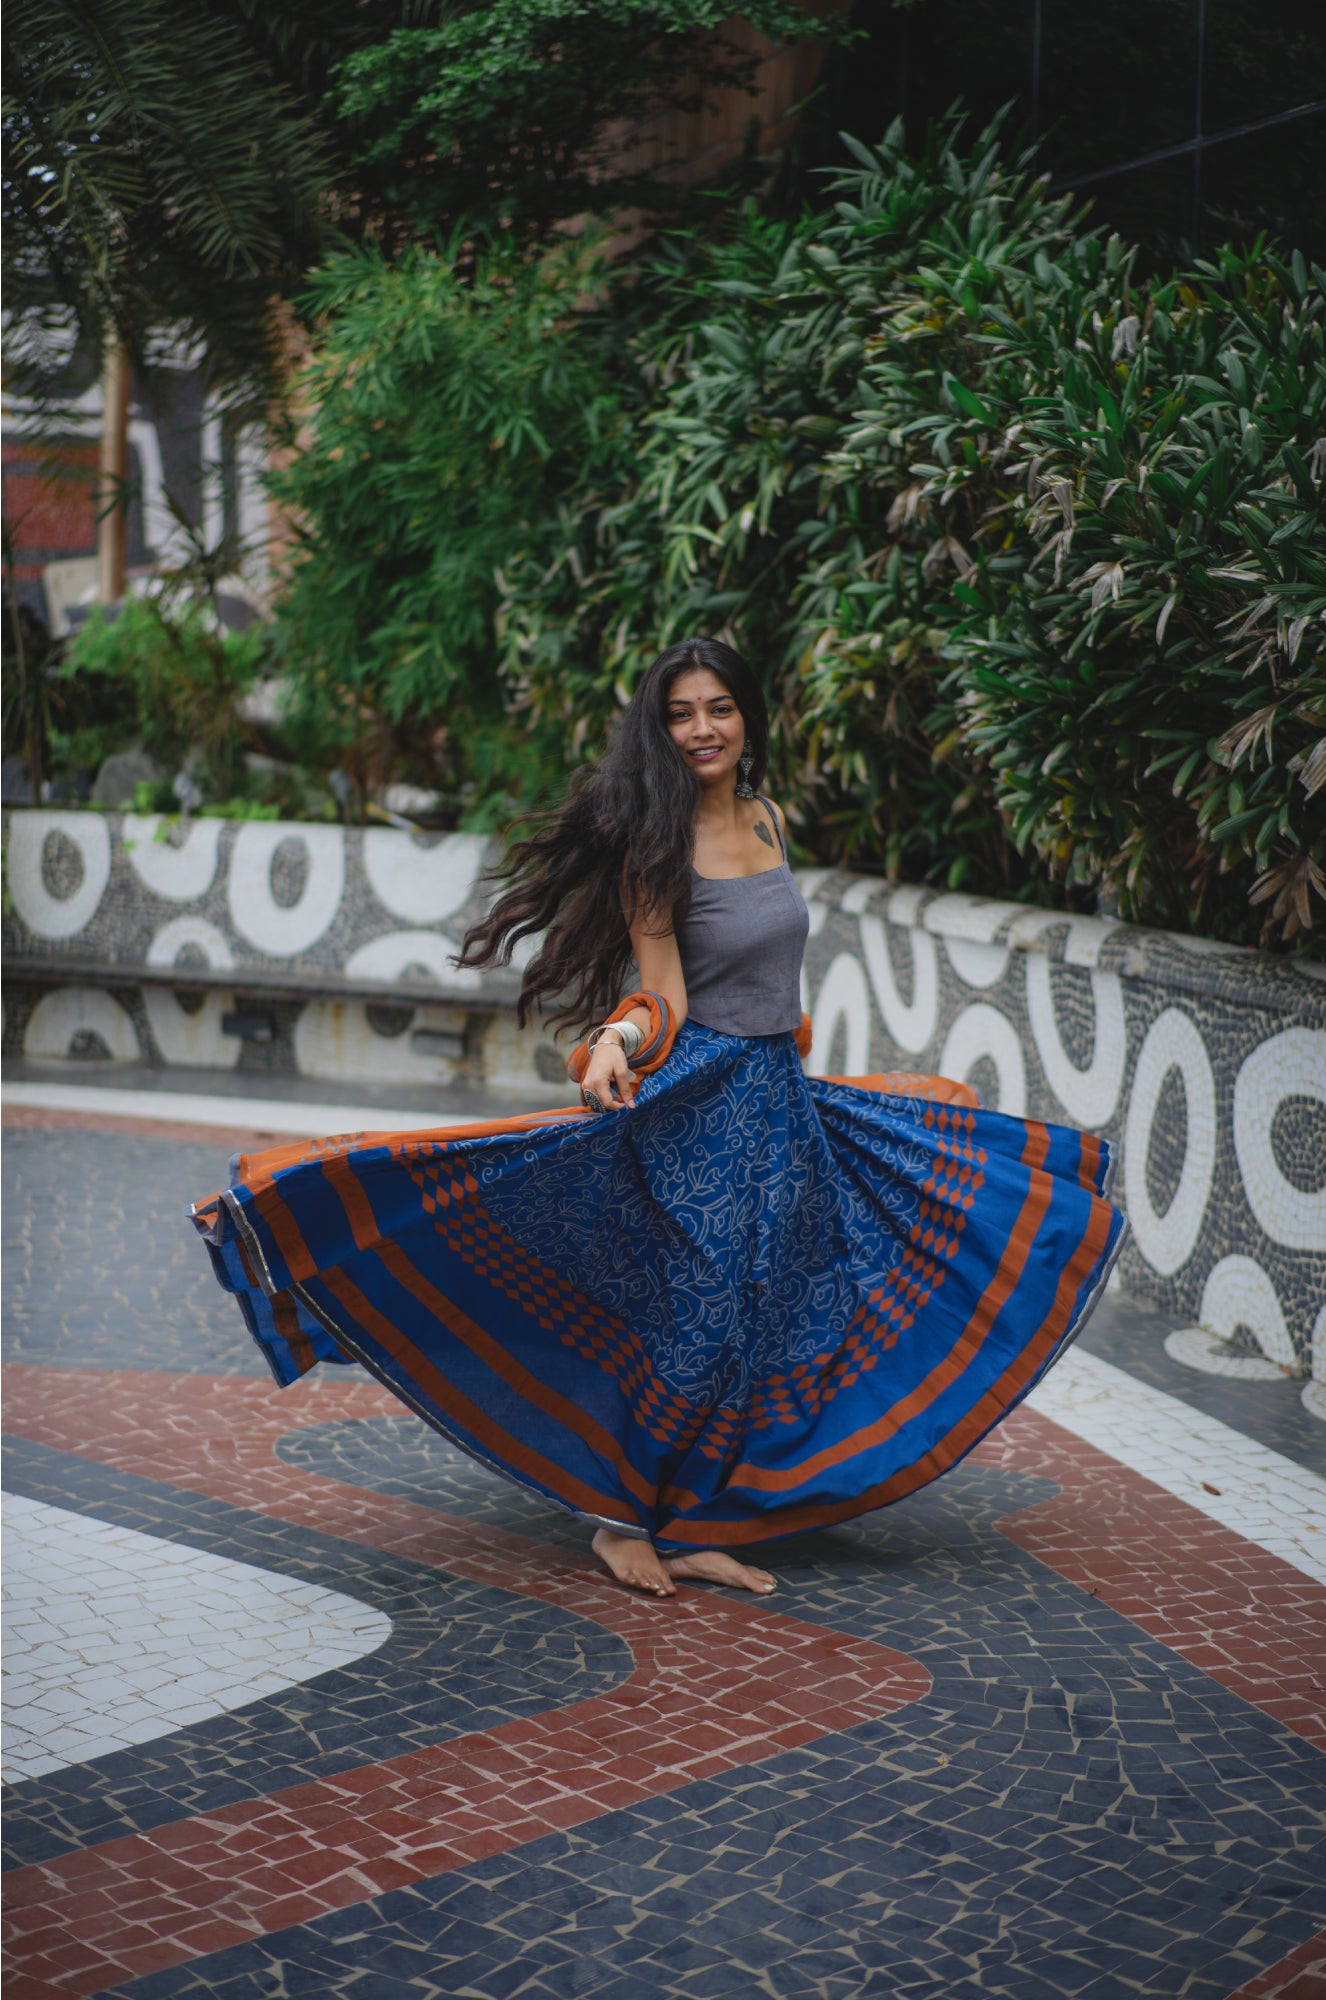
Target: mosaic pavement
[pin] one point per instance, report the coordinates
(1054, 1727)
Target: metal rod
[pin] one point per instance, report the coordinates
(1177, 152)
(1197, 124)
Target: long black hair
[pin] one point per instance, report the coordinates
(627, 828)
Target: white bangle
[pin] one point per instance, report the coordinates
(632, 1037)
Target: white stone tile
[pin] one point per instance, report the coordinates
(1259, 1494)
(114, 1637)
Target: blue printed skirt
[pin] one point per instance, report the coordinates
(755, 1304)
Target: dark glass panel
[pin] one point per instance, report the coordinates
(1118, 80)
(1272, 180)
(1151, 206)
(918, 60)
(1262, 57)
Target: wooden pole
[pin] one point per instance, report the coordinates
(113, 486)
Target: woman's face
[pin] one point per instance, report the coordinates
(706, 725)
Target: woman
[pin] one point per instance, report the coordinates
(722, 1302)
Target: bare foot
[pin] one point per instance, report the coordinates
(633, 1562)
(712, 1566)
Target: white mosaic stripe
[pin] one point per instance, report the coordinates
(1223, 1474)
(113, 1637)
(1211, 1354)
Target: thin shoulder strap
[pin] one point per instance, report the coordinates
(774, 817)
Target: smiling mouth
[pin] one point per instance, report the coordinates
(704, 755)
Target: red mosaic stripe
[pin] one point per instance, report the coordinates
(711, 1691)
(717, 1684)
(1250, 1620)
(1301, 1975)
(1241, 1614)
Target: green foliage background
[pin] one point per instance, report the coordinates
(168, 671)
(171, 168)
(446, 416)
(1028, 547)
(509, 113)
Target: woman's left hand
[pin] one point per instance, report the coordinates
(609, 1080)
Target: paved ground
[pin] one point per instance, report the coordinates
(308, 1704)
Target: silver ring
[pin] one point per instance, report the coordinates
(594, 1103)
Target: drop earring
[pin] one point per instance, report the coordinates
(745, 765)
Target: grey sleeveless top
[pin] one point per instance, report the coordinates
(741, 945)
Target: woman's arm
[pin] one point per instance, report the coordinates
(609, 1075)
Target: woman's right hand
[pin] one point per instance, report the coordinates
(610, 1077)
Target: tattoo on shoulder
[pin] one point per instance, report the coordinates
(762, 833)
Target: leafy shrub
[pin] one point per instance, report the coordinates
(1027, 546)
(1151, 681)
(1114, 484)
(1032, 551)
(510, 114)
(749, 516)
(446, 412)
(164, 678)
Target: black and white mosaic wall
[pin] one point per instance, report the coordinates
(1205, 1064)
(295, 913)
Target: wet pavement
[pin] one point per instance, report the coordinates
(307, 1703)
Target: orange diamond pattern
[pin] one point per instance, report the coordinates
(471, 1233)
(468, 1229)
